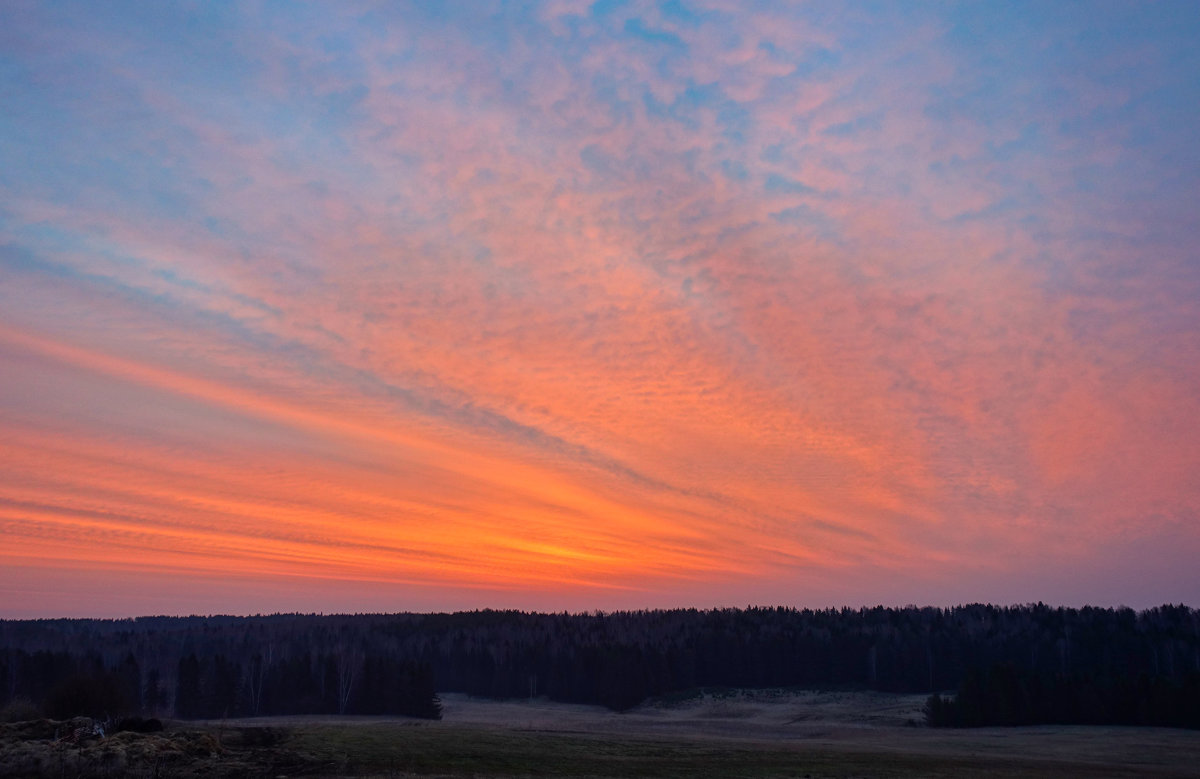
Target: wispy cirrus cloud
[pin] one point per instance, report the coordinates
(598, 304)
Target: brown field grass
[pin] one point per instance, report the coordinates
(717, 733)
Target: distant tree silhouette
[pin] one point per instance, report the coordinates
(1006, 695)
(1009, 665)
(188, 702)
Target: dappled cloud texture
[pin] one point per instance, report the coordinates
(342, 307)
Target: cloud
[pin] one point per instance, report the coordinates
(658, 303)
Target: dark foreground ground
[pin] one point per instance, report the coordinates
(721, 734)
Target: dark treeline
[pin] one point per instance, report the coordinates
(1007, 695)
(380, 664)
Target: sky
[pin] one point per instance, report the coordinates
(381, 307)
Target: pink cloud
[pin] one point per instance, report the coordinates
(638, 319)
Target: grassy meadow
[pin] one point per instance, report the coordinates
(712, 733)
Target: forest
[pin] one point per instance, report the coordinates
(982, 664)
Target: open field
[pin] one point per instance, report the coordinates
(762, 733)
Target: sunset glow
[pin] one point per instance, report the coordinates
(579, 305)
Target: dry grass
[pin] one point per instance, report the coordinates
(395, 750)
(33, 749)
(716, 733)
